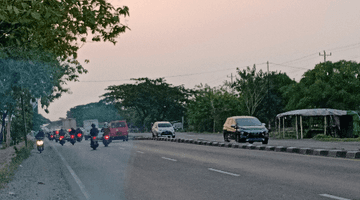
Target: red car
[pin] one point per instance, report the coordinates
(119, 130)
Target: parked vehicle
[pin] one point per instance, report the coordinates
(87, 127)
(119, 130)
(162, 128)
(245, 129)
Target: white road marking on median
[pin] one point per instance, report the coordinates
(333, 197)
(139, 151)
(78, 181)
(216, 170)
(168, 159)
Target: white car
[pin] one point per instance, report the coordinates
(162, 128)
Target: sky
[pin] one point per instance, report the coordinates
(192, 42)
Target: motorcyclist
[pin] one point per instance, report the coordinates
(106, 129)
(40, 135)
(72, 132)
(62, 132)
(78, 130)
(93, 132)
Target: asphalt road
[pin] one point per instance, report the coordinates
(148, 169)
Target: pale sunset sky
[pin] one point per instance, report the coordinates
(189, 42)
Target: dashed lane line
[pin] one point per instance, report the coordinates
(228, 173)
(333, 197)
(169, 159)
(139, 151)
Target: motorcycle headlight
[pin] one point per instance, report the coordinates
(39, 142)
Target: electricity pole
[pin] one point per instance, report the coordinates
(324, 55)
(268, 94)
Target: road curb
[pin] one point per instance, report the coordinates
(305, 151)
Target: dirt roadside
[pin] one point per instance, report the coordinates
(40, 176)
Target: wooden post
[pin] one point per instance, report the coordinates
(325, 125)
(279, 130)
(301, 128)
(283, 127)
(296, 127)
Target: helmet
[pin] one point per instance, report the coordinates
(105, 125)
(93, 125)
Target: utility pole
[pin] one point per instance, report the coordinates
(231, 78)
(324, 55)
(268, 94)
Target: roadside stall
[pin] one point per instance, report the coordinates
(336, 123)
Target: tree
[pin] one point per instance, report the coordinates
(101, 110)
(252, 88)
(328, 85)
(152, 100)
(209, 108)
(39, 40)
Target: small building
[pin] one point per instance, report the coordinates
(337, 123)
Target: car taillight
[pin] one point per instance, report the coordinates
(79, 134)
(72, 136)
(94, 138)
(106, 137)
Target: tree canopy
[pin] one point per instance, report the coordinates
(151, 100)
(328, 85)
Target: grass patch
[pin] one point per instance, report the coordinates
(8, 171)
(322, 137)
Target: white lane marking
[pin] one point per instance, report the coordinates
(216, 170)
(169, 159)
(333, 197)
(139, 151)
(77, 180)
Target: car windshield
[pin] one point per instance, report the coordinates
(248, 122)
(164, 125)
(118, 125)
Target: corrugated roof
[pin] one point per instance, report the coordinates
(313, 112)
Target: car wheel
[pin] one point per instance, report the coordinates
(265, 141)
(226, 137)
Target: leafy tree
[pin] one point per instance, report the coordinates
(274, 101)
(210, 107)
(328, 85)
(102, 111)
(39, 40)
(152, 100)
(252, 88)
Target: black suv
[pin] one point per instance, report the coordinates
(245, 129)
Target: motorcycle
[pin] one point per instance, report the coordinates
(51, 136)
(40, 144)
(106, 140)
(56, 136)
(79, 137)
(72, 139)
(62, 140)
(94, 142)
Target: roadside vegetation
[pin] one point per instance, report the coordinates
(8, 171)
